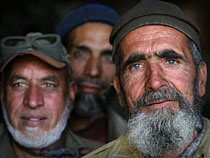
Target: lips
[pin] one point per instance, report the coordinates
(33, 120)
(168, 104)
(89, 87)
(162, 103)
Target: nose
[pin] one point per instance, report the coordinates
(93, 67)
(33, 97)
(156, 77)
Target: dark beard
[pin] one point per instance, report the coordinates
(88, 104)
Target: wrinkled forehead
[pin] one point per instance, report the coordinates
(152, 39)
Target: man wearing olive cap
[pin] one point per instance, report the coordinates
(161, 78)
(37, 93)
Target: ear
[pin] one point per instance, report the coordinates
(202, 79)
(118, 90)
(72, 92)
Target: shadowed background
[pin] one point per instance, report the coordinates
(23, 16)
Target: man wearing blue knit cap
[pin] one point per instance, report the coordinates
(85, 32)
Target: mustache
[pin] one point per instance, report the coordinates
(152, 96)
(102, 84)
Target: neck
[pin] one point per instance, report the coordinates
(78, 123)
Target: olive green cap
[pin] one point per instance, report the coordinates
(150, 12)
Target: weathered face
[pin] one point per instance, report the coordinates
(90, 57)
(157, 57)
(35, 95)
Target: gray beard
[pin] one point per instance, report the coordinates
(35, 139)
(164, 130)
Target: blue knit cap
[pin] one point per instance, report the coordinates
(92, 12)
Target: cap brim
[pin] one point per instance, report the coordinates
(37, 54)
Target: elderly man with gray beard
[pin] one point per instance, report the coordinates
(161, 78)
(37, 95)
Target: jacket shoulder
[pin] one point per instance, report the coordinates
(116, 149)
(204, 147)
(100, 152)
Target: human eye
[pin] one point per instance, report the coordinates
(136, 67)
(107, 57)
(171, 61)
(80, 54)
(18, 86)
(171, 58)
(49, 85)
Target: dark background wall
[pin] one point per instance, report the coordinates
(22, 16)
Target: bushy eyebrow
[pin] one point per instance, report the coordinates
(133, 58)
(169, 54)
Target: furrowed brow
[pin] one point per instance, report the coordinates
(132, 59)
